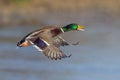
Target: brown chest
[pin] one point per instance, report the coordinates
(56, 32)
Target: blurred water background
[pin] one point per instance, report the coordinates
(96, 58)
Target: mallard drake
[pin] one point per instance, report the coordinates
(48, 41)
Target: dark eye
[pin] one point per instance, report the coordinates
(68, 26)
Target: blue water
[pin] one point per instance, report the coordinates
(96, 58)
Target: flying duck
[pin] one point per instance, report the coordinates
(48, 41)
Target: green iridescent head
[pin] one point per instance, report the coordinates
(73, 26)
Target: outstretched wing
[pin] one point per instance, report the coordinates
(59, 41)
(50, 51)
(45, 44)
(54, 53)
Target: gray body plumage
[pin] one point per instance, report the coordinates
(46, 41)
(52, 49)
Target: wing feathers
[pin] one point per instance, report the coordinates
(59, 41)
(54, 53)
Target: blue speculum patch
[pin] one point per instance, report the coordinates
(40, 43)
